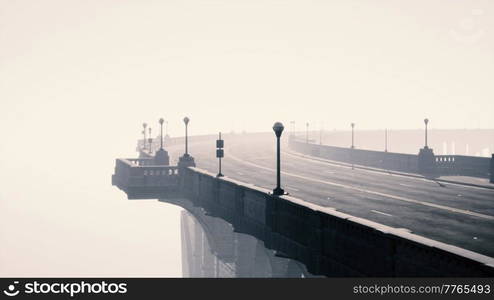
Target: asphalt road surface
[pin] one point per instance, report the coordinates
(455, 214)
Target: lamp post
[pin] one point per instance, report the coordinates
(386, 140)
(186, 160)
(320, 135)
(353, 126)
(278, 129)
(426, 121)
(150, 139)
(161, 135)
(186, 121)
(144, 125)
(426, 160)
(307, 132)
(144, 139)
(161, 156)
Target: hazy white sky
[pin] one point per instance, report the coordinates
(244, 64)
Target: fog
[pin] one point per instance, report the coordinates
(77, 79)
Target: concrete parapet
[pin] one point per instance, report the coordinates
(426, 162)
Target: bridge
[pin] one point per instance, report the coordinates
(348, 212)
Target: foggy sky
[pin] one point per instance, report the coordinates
(77, 79)
(243, 64)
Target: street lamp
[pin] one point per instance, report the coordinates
(144, 125)
(426, 159)
(320, 135)
(386, 140)
(186, 160)
(278, 129)
(144, 140)
(161, 156)
(186, 121)
(307, 132)
(161, 125)
(150, 139)
(426, 121)
(293, 128)
(353, 126)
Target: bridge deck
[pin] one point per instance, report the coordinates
(454, 214)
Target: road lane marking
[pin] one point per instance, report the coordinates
(385, 195)
(293, 189)
(407, 185)
(380, 212)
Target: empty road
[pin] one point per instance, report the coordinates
(459, 215)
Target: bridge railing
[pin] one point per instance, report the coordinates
(462, 165)
(371, 158)
(140, 172)
(442, 164)
(140, 161)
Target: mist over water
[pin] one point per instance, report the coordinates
(60, 216)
